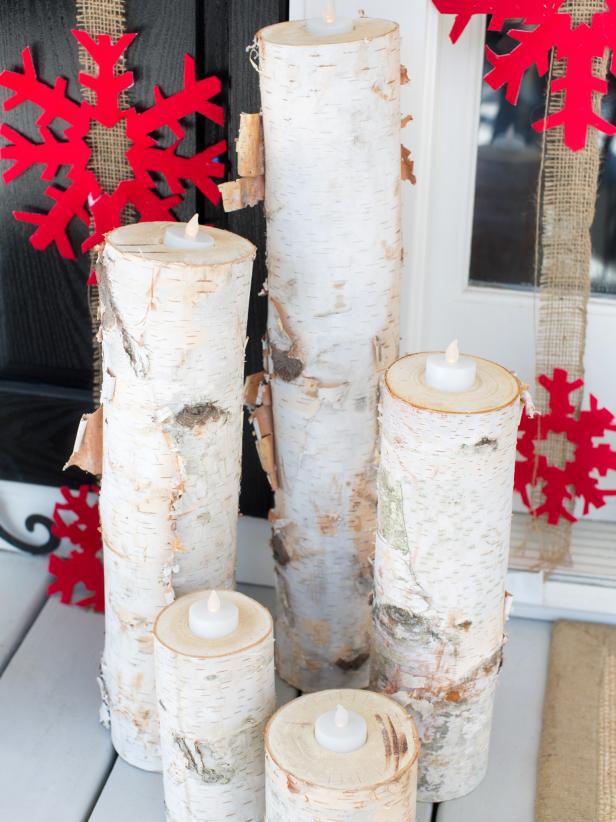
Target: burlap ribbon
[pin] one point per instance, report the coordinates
(577, 761)
(108, 159)
(565, 211)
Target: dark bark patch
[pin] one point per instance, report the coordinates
(487, 442)
(286, 367)
(464, 625)
(281, 555)
(191, 416)
(353, 664)
(385, 735)
(202, 763)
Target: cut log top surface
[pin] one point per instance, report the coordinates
(172, 630)
(144, 241)
(495, 387)
(295, 33)
(391, 746)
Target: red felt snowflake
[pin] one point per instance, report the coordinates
(579, 476)
(83, 198)
(77, 520)
(552, 29)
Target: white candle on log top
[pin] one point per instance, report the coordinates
(215, 695)
(444, 516)
(188, 235)
(307, 780)
(173, 324)
(213, 616)
(450, 371)
(331, 125)
(340, 730)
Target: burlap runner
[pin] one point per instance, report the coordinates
(108, 159)
(577, 759)
(567, 195)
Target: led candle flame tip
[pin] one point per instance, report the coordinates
(192, 226)
(341, 719)
(213, 603)
(452, 352)
(329, 11)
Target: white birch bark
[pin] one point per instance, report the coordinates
(444, 515)
(307, 783)
(331, 119)
(214, 697)
(173, 329)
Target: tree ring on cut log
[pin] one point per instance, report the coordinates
(295, 33)
(171, 628)
(306, 781)
(495, 387)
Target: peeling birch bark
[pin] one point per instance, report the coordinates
(88, 449)
(308, 783)
(173, 329)
(331, 120)
(444, 516)
(250, 161)
(214, 698)
(246, 191)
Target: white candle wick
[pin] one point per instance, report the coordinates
(452, 352)
(341, 718)
(213, 603)
(192, 226)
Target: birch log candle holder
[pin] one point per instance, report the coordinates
(445, 490)
(331, 122)
(215, 695)
(173, 323)
(307, 782)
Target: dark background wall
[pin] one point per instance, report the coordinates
(45, 341)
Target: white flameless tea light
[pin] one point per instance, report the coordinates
(450, 371)
(188, 236)
(329, 22)
(213, 617)
(340, 730)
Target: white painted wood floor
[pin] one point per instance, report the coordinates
(56, 761)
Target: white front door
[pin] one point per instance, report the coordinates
(469, 245)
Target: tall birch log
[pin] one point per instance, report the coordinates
(308, 783)
(331, 120)
(445, 489)
(214, 697)
(173, 329)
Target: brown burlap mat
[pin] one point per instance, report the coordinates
(577, 760)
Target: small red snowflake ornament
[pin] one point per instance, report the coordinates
(77, 520)
(552, 29)
(83, 198)
(579, 476)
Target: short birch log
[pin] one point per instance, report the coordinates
(173, 329)
(444, 516)
(308, 783)
(214, 698)
(331, 120)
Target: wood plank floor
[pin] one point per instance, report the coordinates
(56, 761)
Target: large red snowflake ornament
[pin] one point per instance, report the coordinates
(82, 198)
(579, 476)
(77, 520)
(578, 45)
